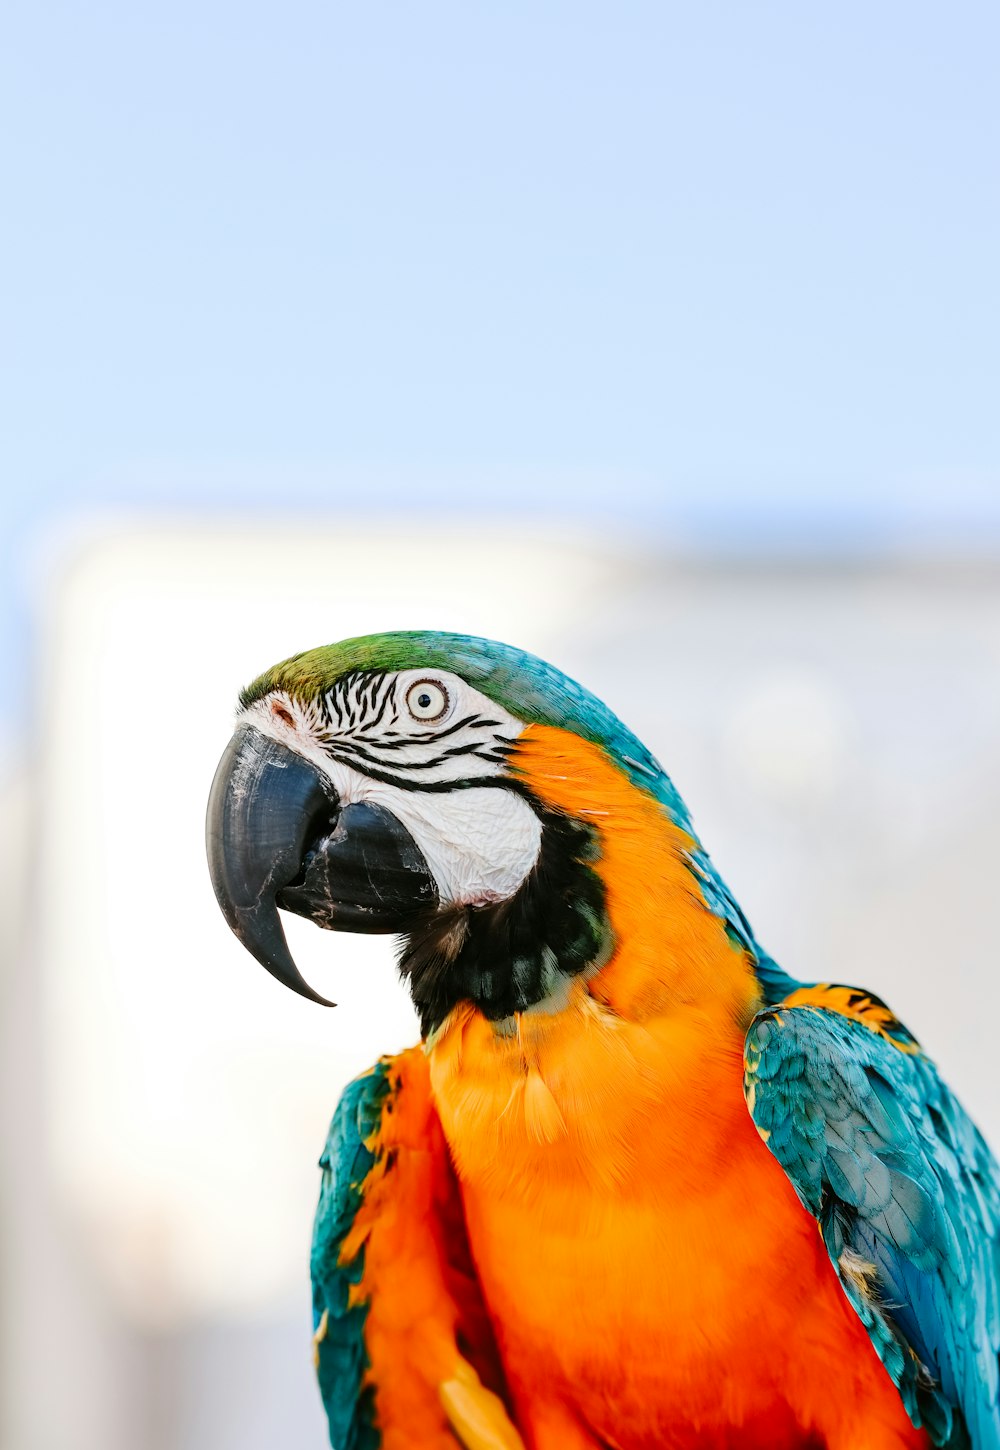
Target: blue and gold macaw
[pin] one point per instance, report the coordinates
(636, 1187)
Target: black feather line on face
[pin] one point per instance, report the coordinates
(512, 955)
(435, 735)
(383, 706)
(348, 752)
(465, 782)
(400, 742)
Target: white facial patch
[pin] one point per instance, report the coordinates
(405, 741)
(479, 844)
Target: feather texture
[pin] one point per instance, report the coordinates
(394, 1292)
(906, 1194)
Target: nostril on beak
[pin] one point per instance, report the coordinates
(281, 713)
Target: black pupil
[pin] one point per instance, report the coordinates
(424, 701)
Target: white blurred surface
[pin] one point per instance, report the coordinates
(836, 731)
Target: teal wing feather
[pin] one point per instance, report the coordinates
(907, 1197)
(341, 1359)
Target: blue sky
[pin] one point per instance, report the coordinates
(724, 268)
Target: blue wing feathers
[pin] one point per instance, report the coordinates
(908, 1199)
(342, 1360)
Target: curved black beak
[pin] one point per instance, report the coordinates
(277, 835)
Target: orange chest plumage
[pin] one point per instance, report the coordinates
(664, 1295)
(651, 1275)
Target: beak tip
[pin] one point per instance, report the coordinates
(260, 931)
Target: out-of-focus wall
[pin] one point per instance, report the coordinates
(834, 726)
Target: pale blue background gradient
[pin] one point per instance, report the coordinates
(728, 271)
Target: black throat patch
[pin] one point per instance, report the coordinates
(510, 956)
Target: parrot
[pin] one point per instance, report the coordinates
(635, 1186)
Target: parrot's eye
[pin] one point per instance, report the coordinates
(427, 700)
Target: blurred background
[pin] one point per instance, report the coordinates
(662, 340)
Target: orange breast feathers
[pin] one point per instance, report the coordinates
(577, 1088)
(652, 1278)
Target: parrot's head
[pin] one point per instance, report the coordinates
(451, 790)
